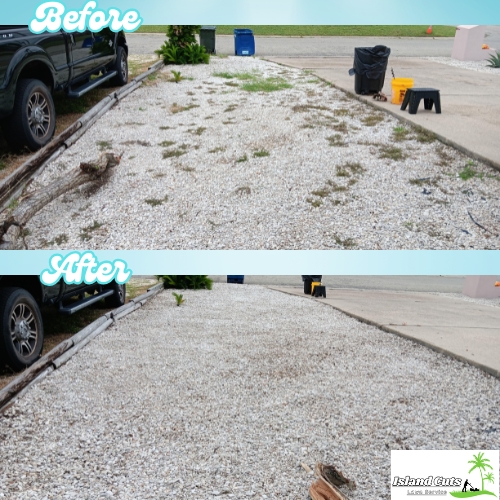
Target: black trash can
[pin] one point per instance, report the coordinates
(370, 65)
(308, 280)
(207, 38)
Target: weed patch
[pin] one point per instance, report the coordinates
(400, 134)
(85, 232)
(271, 84)
(166, 144)
(346, 243)
(197, 131)
(468, 172)
(217, 150)
(154, 202)
(336, 140)
(304, 108)
(175, 108)
(392, 153)
(314, 203)
(372, 120)
(261, 154)
(104, 145)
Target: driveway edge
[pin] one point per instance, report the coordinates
(476, 156)
(485, 368)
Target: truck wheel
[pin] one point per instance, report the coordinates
(118, 298)
(121, 67)
(33, 119)
(21, 328)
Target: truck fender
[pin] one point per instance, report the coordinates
(22, 58)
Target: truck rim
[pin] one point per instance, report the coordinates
(38, 114)
(123, 66)
(23, 330)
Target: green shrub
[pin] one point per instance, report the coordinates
(192, 282)
(182, 47)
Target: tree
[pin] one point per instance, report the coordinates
(480, 463)
(182, 47)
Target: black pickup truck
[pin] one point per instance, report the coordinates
(33, 66)
(21, 326)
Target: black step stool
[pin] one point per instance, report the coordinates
(319, 291)
(413, 97)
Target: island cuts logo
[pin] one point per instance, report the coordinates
(52, 17)
(78, 268)
(458, 473)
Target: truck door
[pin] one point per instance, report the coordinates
(104, 49)
(82, 57)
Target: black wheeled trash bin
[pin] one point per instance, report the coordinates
(207, 38)
(370, 65)
(308, 280)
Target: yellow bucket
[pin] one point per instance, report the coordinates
(399, 86)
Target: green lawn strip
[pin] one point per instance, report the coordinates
(327, 30)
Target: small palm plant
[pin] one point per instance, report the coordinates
(178, 298)
(480, 463)
(494, 60)
(177, 76)
(489, 477)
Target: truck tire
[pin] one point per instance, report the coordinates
(121, 67)
(118, 298)
(33, 119)
(21, 328)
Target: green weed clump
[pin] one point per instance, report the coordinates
(186, 282)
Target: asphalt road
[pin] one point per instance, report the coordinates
(446, 284)
(142, 43)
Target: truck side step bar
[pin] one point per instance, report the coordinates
(76, 306)
(90, 85)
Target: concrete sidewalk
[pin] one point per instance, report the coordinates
(464, 330)
(470, 101)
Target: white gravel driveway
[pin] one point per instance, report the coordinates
(225, 395)
(210, 165)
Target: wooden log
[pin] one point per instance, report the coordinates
(33, 202)
(12, 181)
(108, 104)
(321, 490)
(159, 287)
(9, 391)
(157, 65)
(124, 92)
(145, 296)
(64, 358)
(88, 330)
(124, 312)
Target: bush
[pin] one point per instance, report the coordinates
(192, 282)
(182, 47)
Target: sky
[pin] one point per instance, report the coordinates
(255, 12)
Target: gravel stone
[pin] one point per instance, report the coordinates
(181, 185)
(480, 66)
(227, 394)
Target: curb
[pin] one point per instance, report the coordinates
(14, 183)
(485, 368)
(63, 352)
(476, 156)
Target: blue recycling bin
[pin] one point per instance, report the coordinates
(244, 42)
(235, 278)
